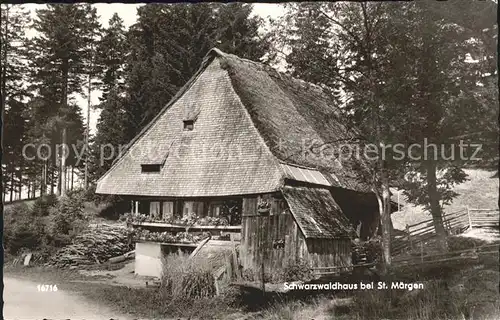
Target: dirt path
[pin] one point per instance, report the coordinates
(23, 301)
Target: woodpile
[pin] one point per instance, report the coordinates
(94, 246)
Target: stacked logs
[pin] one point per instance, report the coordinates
(94, 246)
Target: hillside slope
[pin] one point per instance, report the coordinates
(479, 192)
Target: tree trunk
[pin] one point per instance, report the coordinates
(64, 154)
(72, 176)
(384, 203)
(87, 132)
(4, 69)
(43, 181)
(434, 204)
(20, 175)
(52, 180)
(59, 175)
(12, 186)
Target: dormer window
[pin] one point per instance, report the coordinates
(150, 167)
(188, 125)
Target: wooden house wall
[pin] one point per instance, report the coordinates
(276, 240)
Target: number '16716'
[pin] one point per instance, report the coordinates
(46, 288)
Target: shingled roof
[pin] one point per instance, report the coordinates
(316, 213)
(251, 123)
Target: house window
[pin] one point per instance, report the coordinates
(168, 209)
(193, 207)
(150, 167)
(154, 209)
(215, 209)
(229, 209)
(188, 125)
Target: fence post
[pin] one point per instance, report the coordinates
(446, 222)
(409, 236)
(470, 219)
(421, 251)
(262, 278)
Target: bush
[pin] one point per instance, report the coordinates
(21, 229)
(115, 206)
(66, 220)
(296, 271)
(49, 224)
(458, 243)
(90, 195)
(72, 205)
(43, 204)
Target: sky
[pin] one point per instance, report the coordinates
(128, 12)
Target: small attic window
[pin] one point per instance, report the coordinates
(150, 167)
(188, 125)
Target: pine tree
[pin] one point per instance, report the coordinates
(168, 43)
(15, 135)
(238, 31)
(14, 21)
(111, 56)
(64, 49)
(112, 51)
(405, 78)
(110, 135)
(157, 56)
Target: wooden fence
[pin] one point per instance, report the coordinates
(457, 222)
(461, 255)
(483, 218)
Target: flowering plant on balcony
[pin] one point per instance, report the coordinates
(190, 219)
(169, 237)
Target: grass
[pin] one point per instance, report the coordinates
(480, 191)
(186, 278)
(296, 310)
(29, 202)
(450, 292)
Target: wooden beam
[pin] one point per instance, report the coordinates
(198, 248)
(235, 258)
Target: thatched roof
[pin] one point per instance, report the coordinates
(250, 126)
(316, 213)
(290, 113)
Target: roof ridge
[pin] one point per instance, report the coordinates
(266, 67)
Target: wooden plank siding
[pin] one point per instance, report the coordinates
(275, 239)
